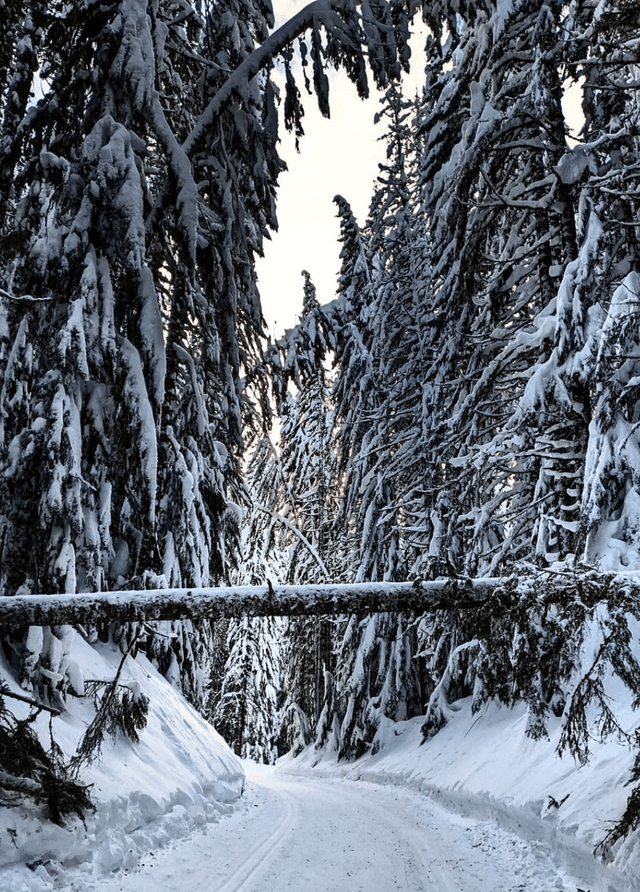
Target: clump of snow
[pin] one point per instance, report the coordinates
(180, 777)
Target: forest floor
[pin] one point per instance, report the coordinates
(338, 835)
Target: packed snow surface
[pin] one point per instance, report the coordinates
(325, 834)
(479, 808)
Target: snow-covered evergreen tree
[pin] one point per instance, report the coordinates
(309, 502)
(116, 457)
(502, 231)
(534, 289)
(515, 326)
(134, 195)
(376, 674)
(604, 172)
(246, 713)
(245, 682)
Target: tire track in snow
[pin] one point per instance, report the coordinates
(265, 851)
(419, 871)
(440, 850)
(342, 840)
(436, 852)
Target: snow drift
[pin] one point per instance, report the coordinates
(180, 776)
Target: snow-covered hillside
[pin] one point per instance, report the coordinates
(180, 776)
(182, 779)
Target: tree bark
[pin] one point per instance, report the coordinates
(310, 600)
(19, 784)
(217, 603)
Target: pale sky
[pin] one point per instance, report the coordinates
(339, 155)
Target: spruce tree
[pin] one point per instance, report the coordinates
(603, 171)
(246, 713)
(375, 675)
(501, 228)
(135, 193)
(308, 467)
(118, 458)
(540, 347)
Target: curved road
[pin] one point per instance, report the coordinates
(318, 835)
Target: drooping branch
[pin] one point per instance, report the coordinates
(333, 15)
(13, 696)
(299, 535)
(318, 10)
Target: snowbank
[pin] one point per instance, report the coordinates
(485, 767)
(180, 776)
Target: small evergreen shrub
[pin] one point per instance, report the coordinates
(27, 769)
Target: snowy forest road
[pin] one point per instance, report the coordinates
(333, 835)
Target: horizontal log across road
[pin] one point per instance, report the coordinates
(301, 600)
(233, 601)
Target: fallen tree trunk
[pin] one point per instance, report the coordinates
(19, 784)
(234, 601)
(307, 600)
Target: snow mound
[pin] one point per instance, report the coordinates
(484, 767)
(180, 776)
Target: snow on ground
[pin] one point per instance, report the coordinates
(471, 810)
(332, 834)
(504, 789)
(180, 777)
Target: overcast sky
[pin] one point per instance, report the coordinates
(337, 156)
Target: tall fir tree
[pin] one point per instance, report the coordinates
(246, 712)
(118, 434)
(376, 675)
(515, 318)
(525, 305)
(308, 467)
(603, 170)
(134, 196)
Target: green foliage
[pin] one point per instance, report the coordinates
(118, 708)
(554, 652)
(27, 769)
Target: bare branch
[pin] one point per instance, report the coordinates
(5, 693)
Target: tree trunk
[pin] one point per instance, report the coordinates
(295, 600)
(236, 601)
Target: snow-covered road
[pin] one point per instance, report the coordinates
(323, 835)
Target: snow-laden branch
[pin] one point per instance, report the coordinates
(324, 12)
(13, 696)
(296, 532)
(25, 297)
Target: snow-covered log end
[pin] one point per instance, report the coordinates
(180, 776)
